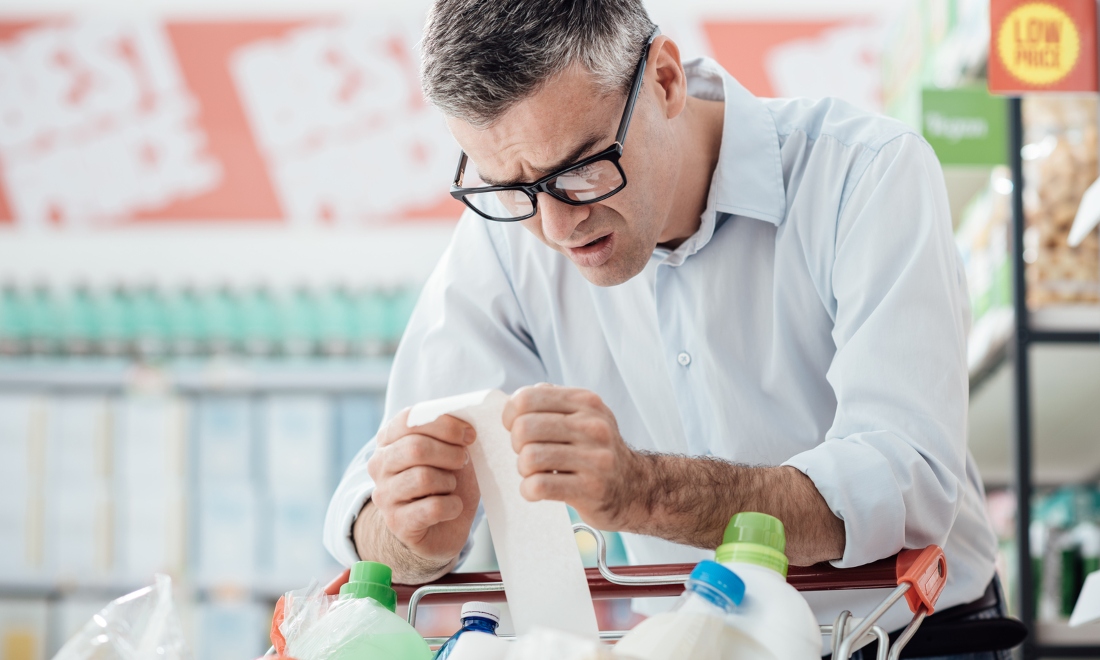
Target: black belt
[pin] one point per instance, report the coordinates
(974, 627)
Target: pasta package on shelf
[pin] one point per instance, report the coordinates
(1060, 163)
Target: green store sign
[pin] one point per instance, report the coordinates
(965, 126)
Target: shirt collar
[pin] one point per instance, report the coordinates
(748, 180)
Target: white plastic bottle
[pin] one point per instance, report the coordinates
(772, 612)
(698, 627)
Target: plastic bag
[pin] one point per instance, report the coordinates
(142, 625)
(300, 610)
(319, 626)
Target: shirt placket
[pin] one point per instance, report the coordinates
(682, 352)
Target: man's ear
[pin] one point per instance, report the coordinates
(667, 73)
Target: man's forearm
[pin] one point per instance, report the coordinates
(690, 501)
(374, 542)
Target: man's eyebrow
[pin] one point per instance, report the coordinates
(573, 156)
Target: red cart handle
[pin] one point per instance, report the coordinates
(925, 571)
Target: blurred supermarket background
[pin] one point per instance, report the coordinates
(215, 218)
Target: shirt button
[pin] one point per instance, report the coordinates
(684, 359)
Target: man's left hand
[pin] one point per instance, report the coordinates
(570, 450)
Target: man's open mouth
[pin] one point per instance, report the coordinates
(594, 253)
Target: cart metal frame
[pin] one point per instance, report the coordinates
(916, 575)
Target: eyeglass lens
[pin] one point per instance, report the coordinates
(583, 184)
(587, 183)
(501, 203)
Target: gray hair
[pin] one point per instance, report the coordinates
(480, 57)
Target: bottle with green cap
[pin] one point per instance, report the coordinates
(362, 623)
(772, 612)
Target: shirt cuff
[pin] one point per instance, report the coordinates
(859, 486)
(340, 519)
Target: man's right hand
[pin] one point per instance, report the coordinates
(425, 490)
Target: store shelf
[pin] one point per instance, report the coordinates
(991, 334)
(104, 589)
(1066, 323)
(228, 375)
(1065, 397)
(259, 588)
(1059, 633)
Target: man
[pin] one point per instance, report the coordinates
(743, 304)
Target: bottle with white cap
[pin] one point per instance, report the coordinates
(477, 617)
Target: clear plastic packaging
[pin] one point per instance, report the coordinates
(142, 625)
(317, 626)
(352, 624)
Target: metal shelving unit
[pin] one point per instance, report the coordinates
(1024, 336)
(185, 378)
(200, 375)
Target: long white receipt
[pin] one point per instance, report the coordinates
(540, 565)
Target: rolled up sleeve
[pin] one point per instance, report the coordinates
(892, 465)
(466, 333)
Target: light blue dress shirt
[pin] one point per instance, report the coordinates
(817, 319)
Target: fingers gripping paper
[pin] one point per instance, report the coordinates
(540, 565)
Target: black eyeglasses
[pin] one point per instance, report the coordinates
(586, 182)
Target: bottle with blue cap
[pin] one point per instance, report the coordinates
(477, 618)
(698, 626)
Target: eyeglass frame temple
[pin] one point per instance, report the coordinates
(635, 88)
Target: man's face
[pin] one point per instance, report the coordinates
(568, 119)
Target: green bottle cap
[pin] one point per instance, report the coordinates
(754, 538)
(370, 579)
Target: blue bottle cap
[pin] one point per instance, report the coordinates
(721, 578)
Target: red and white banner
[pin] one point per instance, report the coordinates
(108, 121)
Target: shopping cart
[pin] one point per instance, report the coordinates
(916, 575)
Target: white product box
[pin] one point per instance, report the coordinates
(23, 629)
(231, 631)
(150, 441)
(22, 448)
(16, 414)
(14, 510)
(297, 554)
(226, 534)
(78, 448)
(298, 446)
(151, 534)
(358, 419)
(151, 507)
(80, 532)
(224, 440)
(79, 524)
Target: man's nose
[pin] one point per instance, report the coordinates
(559, 220)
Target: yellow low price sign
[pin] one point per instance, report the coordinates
(1042, 46)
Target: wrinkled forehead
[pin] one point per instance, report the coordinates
(569, 118)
